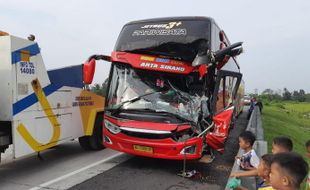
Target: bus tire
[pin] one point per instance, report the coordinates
(95, 140)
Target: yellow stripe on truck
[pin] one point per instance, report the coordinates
(33, 143)
(90, 104)
(91, 121)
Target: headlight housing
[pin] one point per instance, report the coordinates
(189, 150)
(111, 127)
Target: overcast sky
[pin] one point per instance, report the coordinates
(276, 33)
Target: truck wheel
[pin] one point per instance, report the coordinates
(84, 142)
(95, 141)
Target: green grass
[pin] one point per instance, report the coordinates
(290, 119)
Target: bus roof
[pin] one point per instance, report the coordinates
(167, 19)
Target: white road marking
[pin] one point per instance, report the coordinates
(46, 184)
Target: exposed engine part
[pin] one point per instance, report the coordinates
(206, 130)
(184, 138)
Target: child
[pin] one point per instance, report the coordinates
(287, 171)
(249, 160)
(281, 144)
(263, 171)
(308, 155)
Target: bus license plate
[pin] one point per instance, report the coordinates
(143, 148)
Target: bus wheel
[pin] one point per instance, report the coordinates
(95, 141)
(84, 142)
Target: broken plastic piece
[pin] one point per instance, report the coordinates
(187, 174)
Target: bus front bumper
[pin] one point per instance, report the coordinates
(156, 148)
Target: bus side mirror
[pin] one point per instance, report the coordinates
(90, 65)
(89, 71)
(208, 57)
(231, 51)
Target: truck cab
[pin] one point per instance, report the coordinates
(43, 108)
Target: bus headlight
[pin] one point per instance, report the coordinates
(112, 127)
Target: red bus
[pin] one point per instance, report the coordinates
(172, 88)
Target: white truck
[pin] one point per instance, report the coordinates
(40, 109)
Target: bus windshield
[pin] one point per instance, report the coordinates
(154, 91)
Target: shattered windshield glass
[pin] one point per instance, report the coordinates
(153, 91)
(175, 39)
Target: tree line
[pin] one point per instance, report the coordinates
(295, 95)
(99, 89)
(267, 94)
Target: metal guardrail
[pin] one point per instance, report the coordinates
(260, 146)
(255, 124)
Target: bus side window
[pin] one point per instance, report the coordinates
(220, 97)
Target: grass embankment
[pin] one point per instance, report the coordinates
(290, 119)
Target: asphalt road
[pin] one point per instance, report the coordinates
(67, 166)
(61, 168)
(154, 174)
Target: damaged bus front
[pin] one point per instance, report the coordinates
(171, 89)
